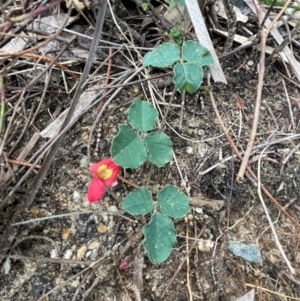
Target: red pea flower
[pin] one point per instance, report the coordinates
(104, 173)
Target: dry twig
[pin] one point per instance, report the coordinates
(261, 73)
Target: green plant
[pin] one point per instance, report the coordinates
(175, 35)
(130, 150)
(188, 62)
(144, 6)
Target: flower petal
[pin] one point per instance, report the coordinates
(115, 171)
(105, 170)
(94, 167)
(95, 190)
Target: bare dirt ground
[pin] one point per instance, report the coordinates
(74, 253)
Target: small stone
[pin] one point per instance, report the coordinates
(113, 209)
(111, 224)
(190, 217)
(248, 252)
(189, 150)
(81, 251)
(94, 245)
(250, 63)
(205, 245)
(199, 210)
(53, 254)
(87, 254)
(94, 254)
(102, 229)
(76, 196)
(36, 212)
(65, 234)
(68, 254)
(84, 162)
(201, 132)
(114, 130)
(76, 282)
(84, 136)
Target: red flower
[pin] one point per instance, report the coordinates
(104, 173)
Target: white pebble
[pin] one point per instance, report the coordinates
(84, 162)
(76, 195)
(205, 245)
(94, 254)
(53, 254)
(68, 254)
(189, 150)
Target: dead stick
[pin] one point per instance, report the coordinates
(106, 78)
(248, 151)
(48, 260)
(183, 261)
(127, 182)
(49, 60)
(22, 163)
(224, 129)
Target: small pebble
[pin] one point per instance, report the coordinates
(113, 209)
(76, 282)
(81, 251)
(68, 254)
(76, 196)
(94, 245)
(205, 245)
(53, 254)
(84, 162)
(94, 254)
(65, 233)
(88, 253)
(189, 150)
(249, 252)
(199, 210)
(102, 229)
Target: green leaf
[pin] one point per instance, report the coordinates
(139, 201)
(142, 115)
(173, 202)
(164, 55)
(194, 52)
(160, 237)
(127, 149)
(159, 148)
(188, 76)
(174, 32)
